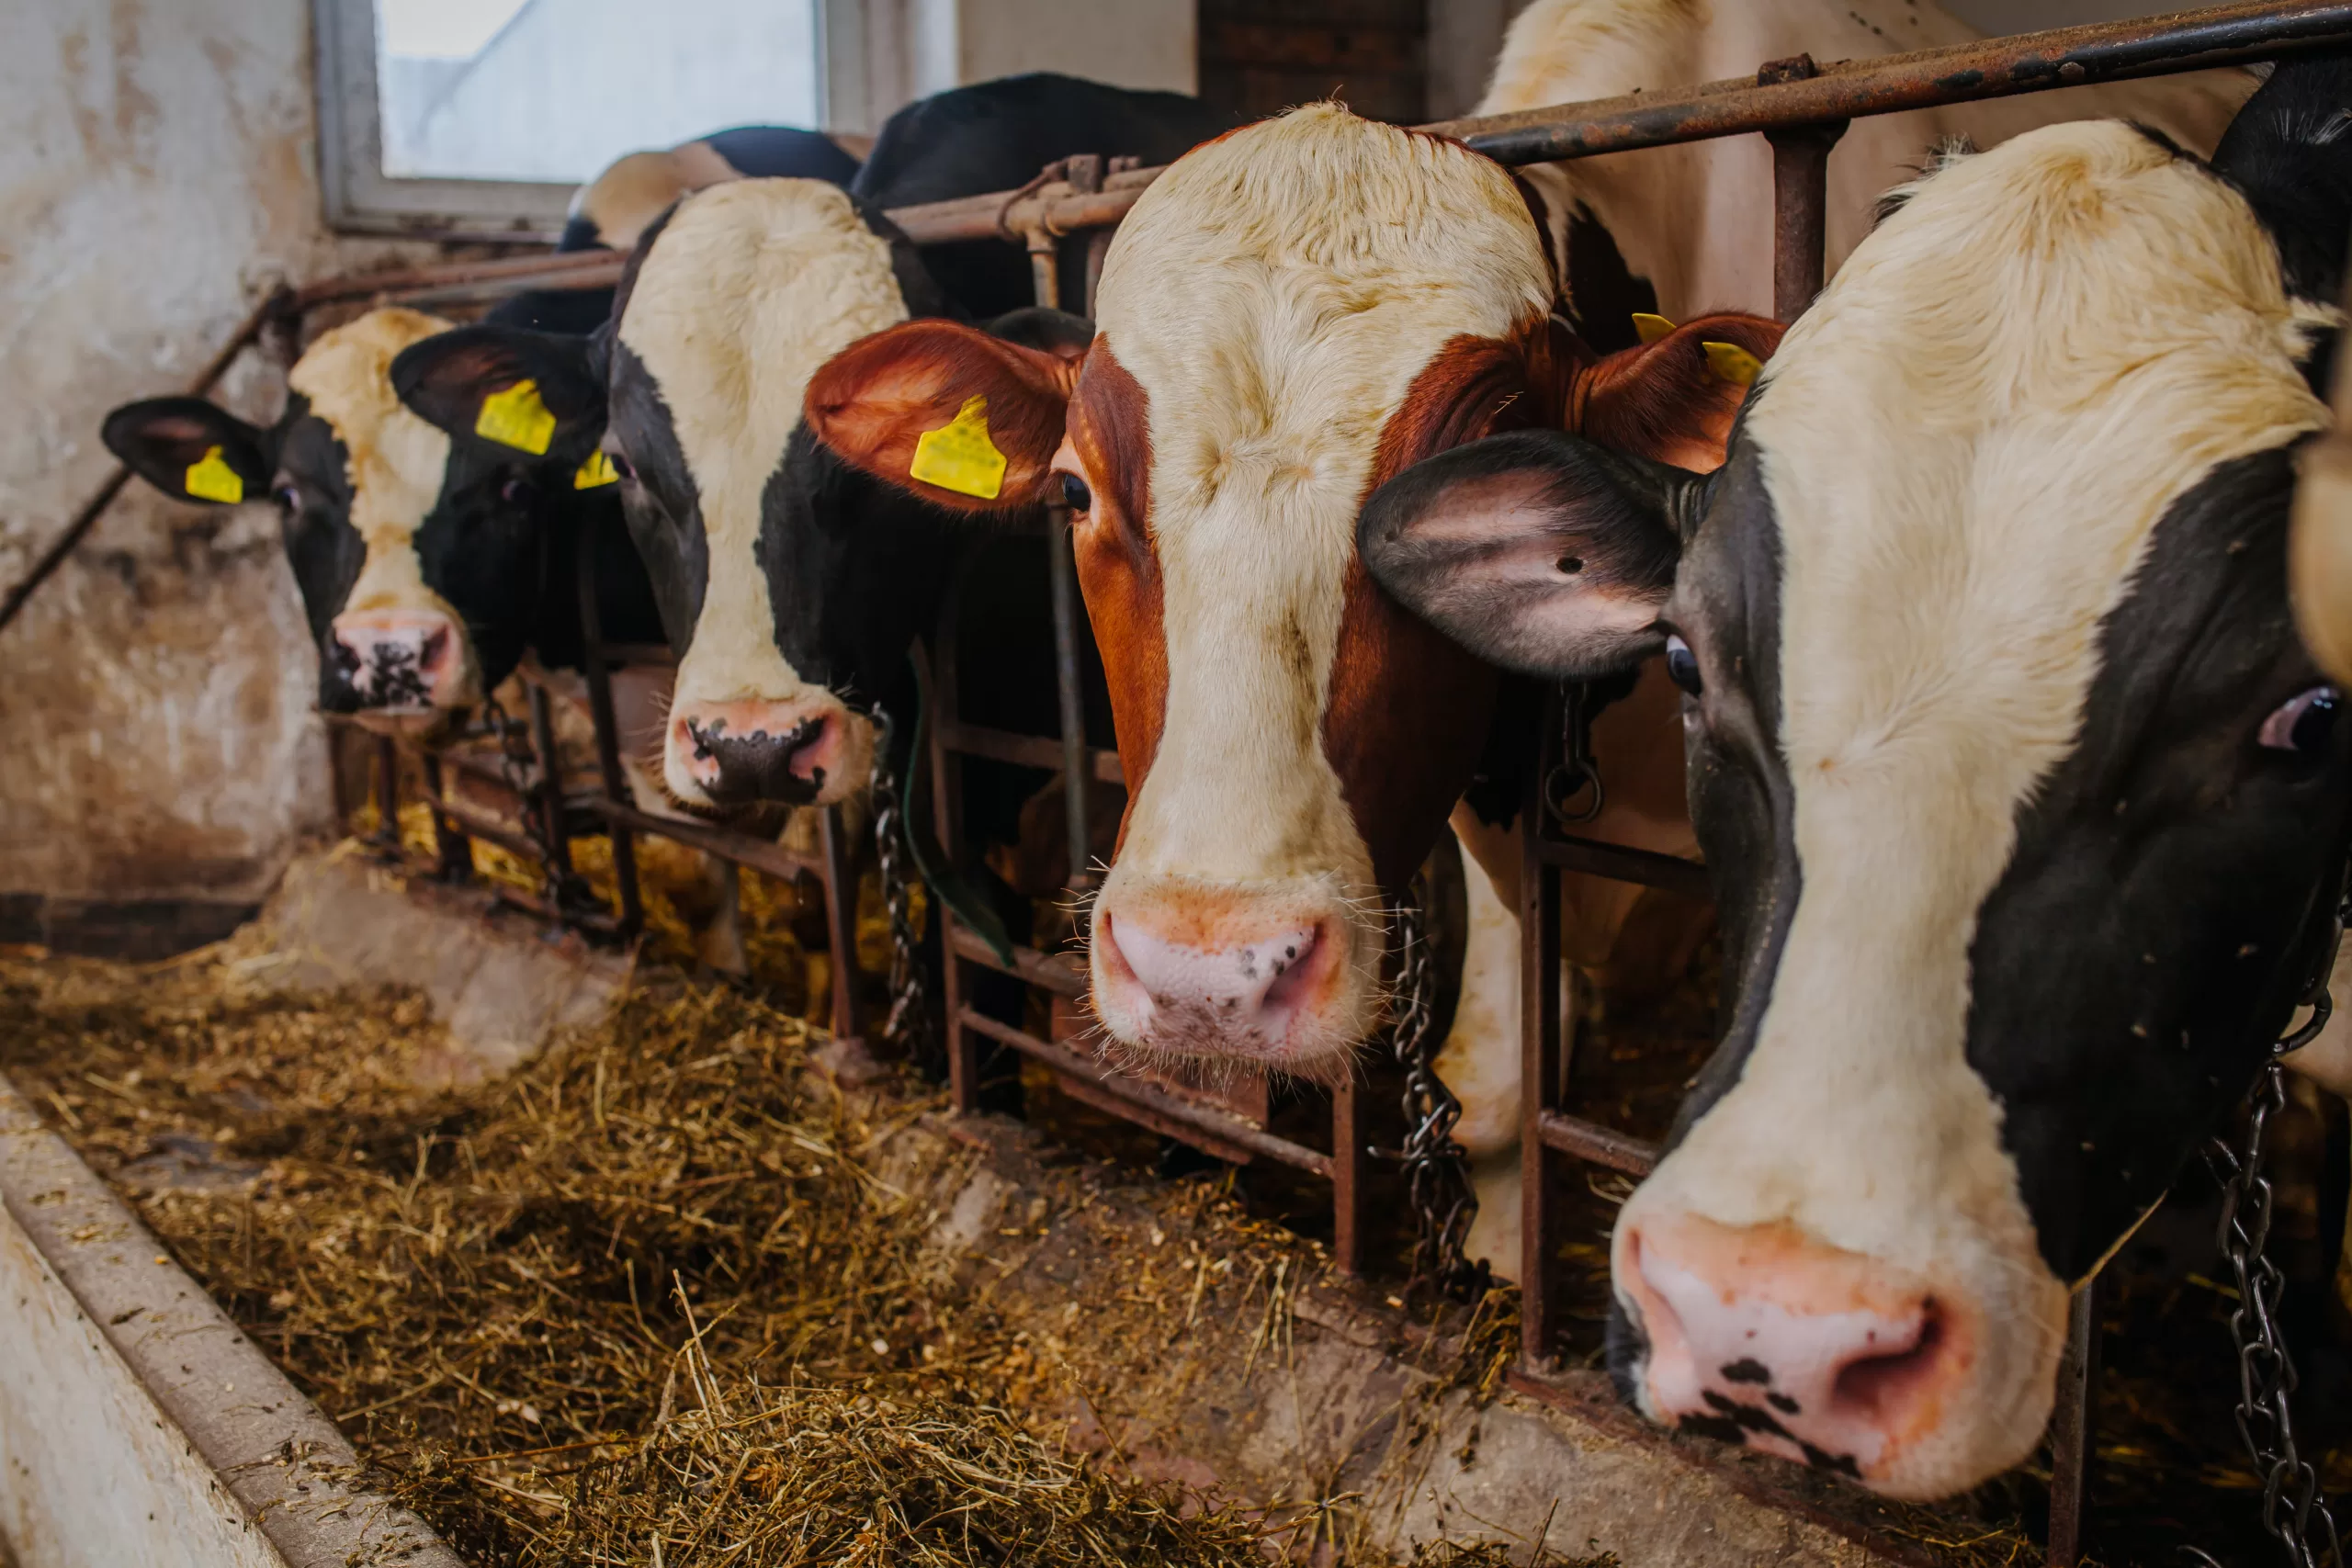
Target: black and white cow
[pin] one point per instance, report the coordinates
(426, 566)
(2027, 807)
(612, 210)
(792, 584)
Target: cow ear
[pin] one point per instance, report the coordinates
(507, 388)
(1674, 398)
(1536, 550)
(190, 450)
(947, 411)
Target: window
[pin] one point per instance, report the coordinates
(482, 116)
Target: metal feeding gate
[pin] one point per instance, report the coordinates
(1801, 107)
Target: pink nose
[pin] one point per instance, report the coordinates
(1247, 990)
(1763, 1335)
(398, 657)
(737, 752)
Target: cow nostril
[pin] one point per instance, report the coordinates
(436, 643)
(1878, 1385)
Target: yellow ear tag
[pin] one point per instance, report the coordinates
(210, 478)
(516, 417)
(959, 456)
(1731, 362)
(597, 470)
(1649, 328)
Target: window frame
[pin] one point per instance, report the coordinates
(360, 198)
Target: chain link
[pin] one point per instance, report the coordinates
(518, 757)
(1576, 775)
(909, 1025)
(1437, 1169)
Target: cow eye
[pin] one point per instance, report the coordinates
(621, 465)
(2303, 723)
(1075, 495)
(289, 497)
(1682, 665)
(516, 492)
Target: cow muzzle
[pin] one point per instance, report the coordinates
(1764, 1335)
(1282, 976)
(400, 658)
(809, 750)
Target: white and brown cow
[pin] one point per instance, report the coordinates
(1289, 316)
(2027, 806)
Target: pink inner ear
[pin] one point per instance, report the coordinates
(1493, 509)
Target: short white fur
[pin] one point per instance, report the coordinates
(751, 287)
(1968, 443)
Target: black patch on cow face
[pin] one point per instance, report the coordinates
(2162, 911)
(854, 568)
(658, 495)
(311, 489)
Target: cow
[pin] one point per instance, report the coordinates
(426, 566)
(1288, 316)
(792, 585)
(2027, 809)
(610, 212)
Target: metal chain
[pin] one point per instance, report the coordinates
(568, 891)
(1437, 1169)
(2294, 1510)
(1575, 773)
(908, 1024)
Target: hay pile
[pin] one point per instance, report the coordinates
(645, 1292)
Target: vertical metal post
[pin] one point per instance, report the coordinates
(1351, 1209)
(1800, 197)
(947, 817)
(841, 921)
(388, 794)
(555, 843)
(608, 743)
(1077, 762)
(1045, 267)
(1084, 171)
(1541, 1041)
(2071, 1424)
(452, 847)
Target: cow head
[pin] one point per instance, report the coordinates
(418, 563)
(1290, 315)
(790, 585)
(2026, 806)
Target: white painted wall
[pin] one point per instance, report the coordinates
(155, 175)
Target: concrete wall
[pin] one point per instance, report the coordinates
(917, 47)
(156, 740)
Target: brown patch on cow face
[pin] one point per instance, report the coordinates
(1118, 571)
(1408, 708)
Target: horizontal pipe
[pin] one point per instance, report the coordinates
(740, 849)
(1137, 1092)
(1591, 857)
(1057, 972)
(1591, 1140)
(1025, 750)
(1852, 89)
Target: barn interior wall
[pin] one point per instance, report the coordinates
(157, 744)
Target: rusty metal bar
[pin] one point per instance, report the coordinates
(388, 794)
(2072, 1422)
(455, 855)
(1060, 973)
(1028, 750)
(964, 1052)
(1077, 761)
(740, 849)
(1620, 863)
(1139, 1093)
(595, 654)
(85, 517)
(1351, 1194)
(840, 920)
(1596, 1144)
(555, 847)
(1800, 215)
(1851, 89)
(1541, 1053)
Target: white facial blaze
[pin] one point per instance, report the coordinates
(396, 461)
(1968, 442)
(751, 287)
(1276, 294)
